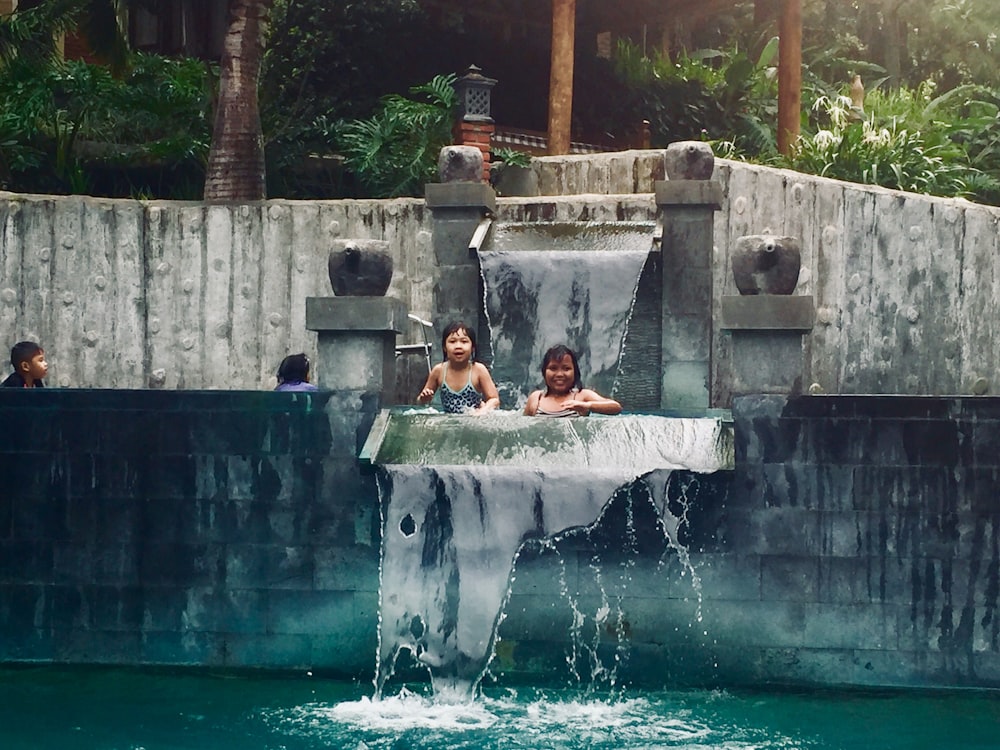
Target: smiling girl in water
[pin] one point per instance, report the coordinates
(465, 384)
(564, 396)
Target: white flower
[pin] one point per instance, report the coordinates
(824, 140)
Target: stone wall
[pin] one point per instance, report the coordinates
(861, 543)
(188, 528)
(184, 295)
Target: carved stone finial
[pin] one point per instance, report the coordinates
(765, 264)
(360, 268)
(689, 160)
(460, 164)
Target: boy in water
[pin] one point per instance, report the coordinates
(30, 366)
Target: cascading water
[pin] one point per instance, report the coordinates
(460, 504)
(546, 284)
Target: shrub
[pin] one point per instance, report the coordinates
(395, 152)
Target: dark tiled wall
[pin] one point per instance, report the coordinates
(218, 528)
(857, 542)
(868, 529)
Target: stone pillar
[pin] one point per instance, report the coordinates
(458, 204)
(356, 342)
(767, 322)
(687, 202)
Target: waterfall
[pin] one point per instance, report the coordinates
(461, 496)
(546, 284)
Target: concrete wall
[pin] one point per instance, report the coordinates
(174, 295)
(184, 295)
(188, 528)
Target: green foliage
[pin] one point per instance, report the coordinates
(949, 43)
(887, 155)
(707, 93)
(72, 127)
(31, 34)
(510, 156)
(326, 62)
(395, 152)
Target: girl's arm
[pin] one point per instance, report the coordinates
(431, 386)
(599, 404)
(531, 408)
(486, 386)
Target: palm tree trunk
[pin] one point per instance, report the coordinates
(235, 169)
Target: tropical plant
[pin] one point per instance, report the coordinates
(73, 127)
(235, 169)
(511, 156)
(706, 93)
(395, 152)
(887, 154)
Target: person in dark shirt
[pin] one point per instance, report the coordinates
(28, 359)
(30, 367)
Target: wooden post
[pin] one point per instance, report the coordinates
(561, 75)
(789, 75)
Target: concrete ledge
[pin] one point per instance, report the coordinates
(706, 193)
(355, 314)
(460, 195)
(768, 312)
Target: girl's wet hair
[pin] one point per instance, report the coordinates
(455, 327)
(556, 353)
(294, 369)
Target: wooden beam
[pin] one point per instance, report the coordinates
(561, 75)
(789, 75)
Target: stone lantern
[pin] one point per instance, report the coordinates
(474, 91)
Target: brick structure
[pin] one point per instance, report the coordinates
(478, 134)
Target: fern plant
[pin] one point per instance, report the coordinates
(394, 152)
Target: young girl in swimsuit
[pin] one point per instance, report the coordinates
(465, 384)
(564, 396)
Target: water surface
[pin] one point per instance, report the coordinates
(50, 708)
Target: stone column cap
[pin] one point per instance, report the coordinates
(706, 193)
(460, 195)
(768, 312)
(355, 314)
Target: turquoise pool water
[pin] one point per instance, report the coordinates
(100, 709)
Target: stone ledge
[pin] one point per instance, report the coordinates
(460, 195)
(355, 314)
(707, 193)
(768, 312)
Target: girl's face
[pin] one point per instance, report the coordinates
(458, 346)
(560, 375)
